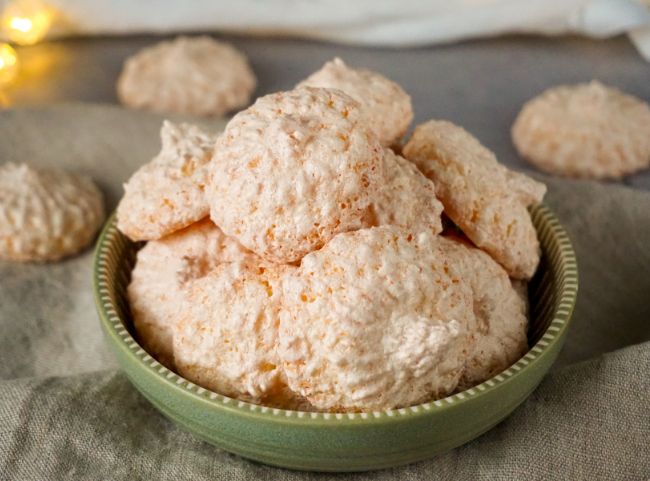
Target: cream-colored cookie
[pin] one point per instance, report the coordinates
(226, 337)
(162, 269)
(187, 75)
(500, 332)
(168, 193)
(46, 214)
(406, 199)
(586, 130)
(376, 319)
(485, 199)
(292, 171)
(386, 107)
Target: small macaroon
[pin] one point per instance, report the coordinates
(168, 193)
(588, 131)
(292, 171)
(188, 75)
(407, 198)
(386, 107)
(377, 319)
(500, 310)
(162, 270)
(46, 214)
(226, 336)
(486, 200)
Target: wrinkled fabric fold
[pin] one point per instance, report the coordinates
(382, 23)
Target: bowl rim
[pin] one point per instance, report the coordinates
(114, 327)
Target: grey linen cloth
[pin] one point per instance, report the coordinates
(67, 412)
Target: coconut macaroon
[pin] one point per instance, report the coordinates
(407, 198)
(168, 193)
(587, 130)
(500, 332)
(46, 214)
(292, 171)
(376, 319)
(162, 269)
(386, 107)
(187, 75)
(225, 339)
(485, 199)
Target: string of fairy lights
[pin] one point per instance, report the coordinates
(22, 22)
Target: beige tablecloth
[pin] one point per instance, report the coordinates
(66, 412)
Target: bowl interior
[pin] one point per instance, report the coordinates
(552, 293)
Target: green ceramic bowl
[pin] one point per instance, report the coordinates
(342, 442)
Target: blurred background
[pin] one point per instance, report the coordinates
(474, 62)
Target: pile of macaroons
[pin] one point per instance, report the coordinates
(298, 260)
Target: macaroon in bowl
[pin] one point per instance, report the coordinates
(354, 441)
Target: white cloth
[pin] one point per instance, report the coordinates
(366, 22)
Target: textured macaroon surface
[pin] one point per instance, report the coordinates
(406, 199)
(226, 337)
(187, 75)
(375, 320)
(46, 214)
(386, 107)
(500, 310)
(292, 171)
(162, 270)
(168, 193)
(484, 198)
(586, 130)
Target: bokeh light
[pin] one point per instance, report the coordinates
(8, 64)
(26, 22)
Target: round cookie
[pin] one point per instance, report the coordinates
(46, 214)
(386, 107)
(226, 337)
(407, 198)
(162, 269)
(376, 319)
(500, 332)
(168, 193)
(292, 171)
(586, 130)
(188, 75)
(485, 199)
